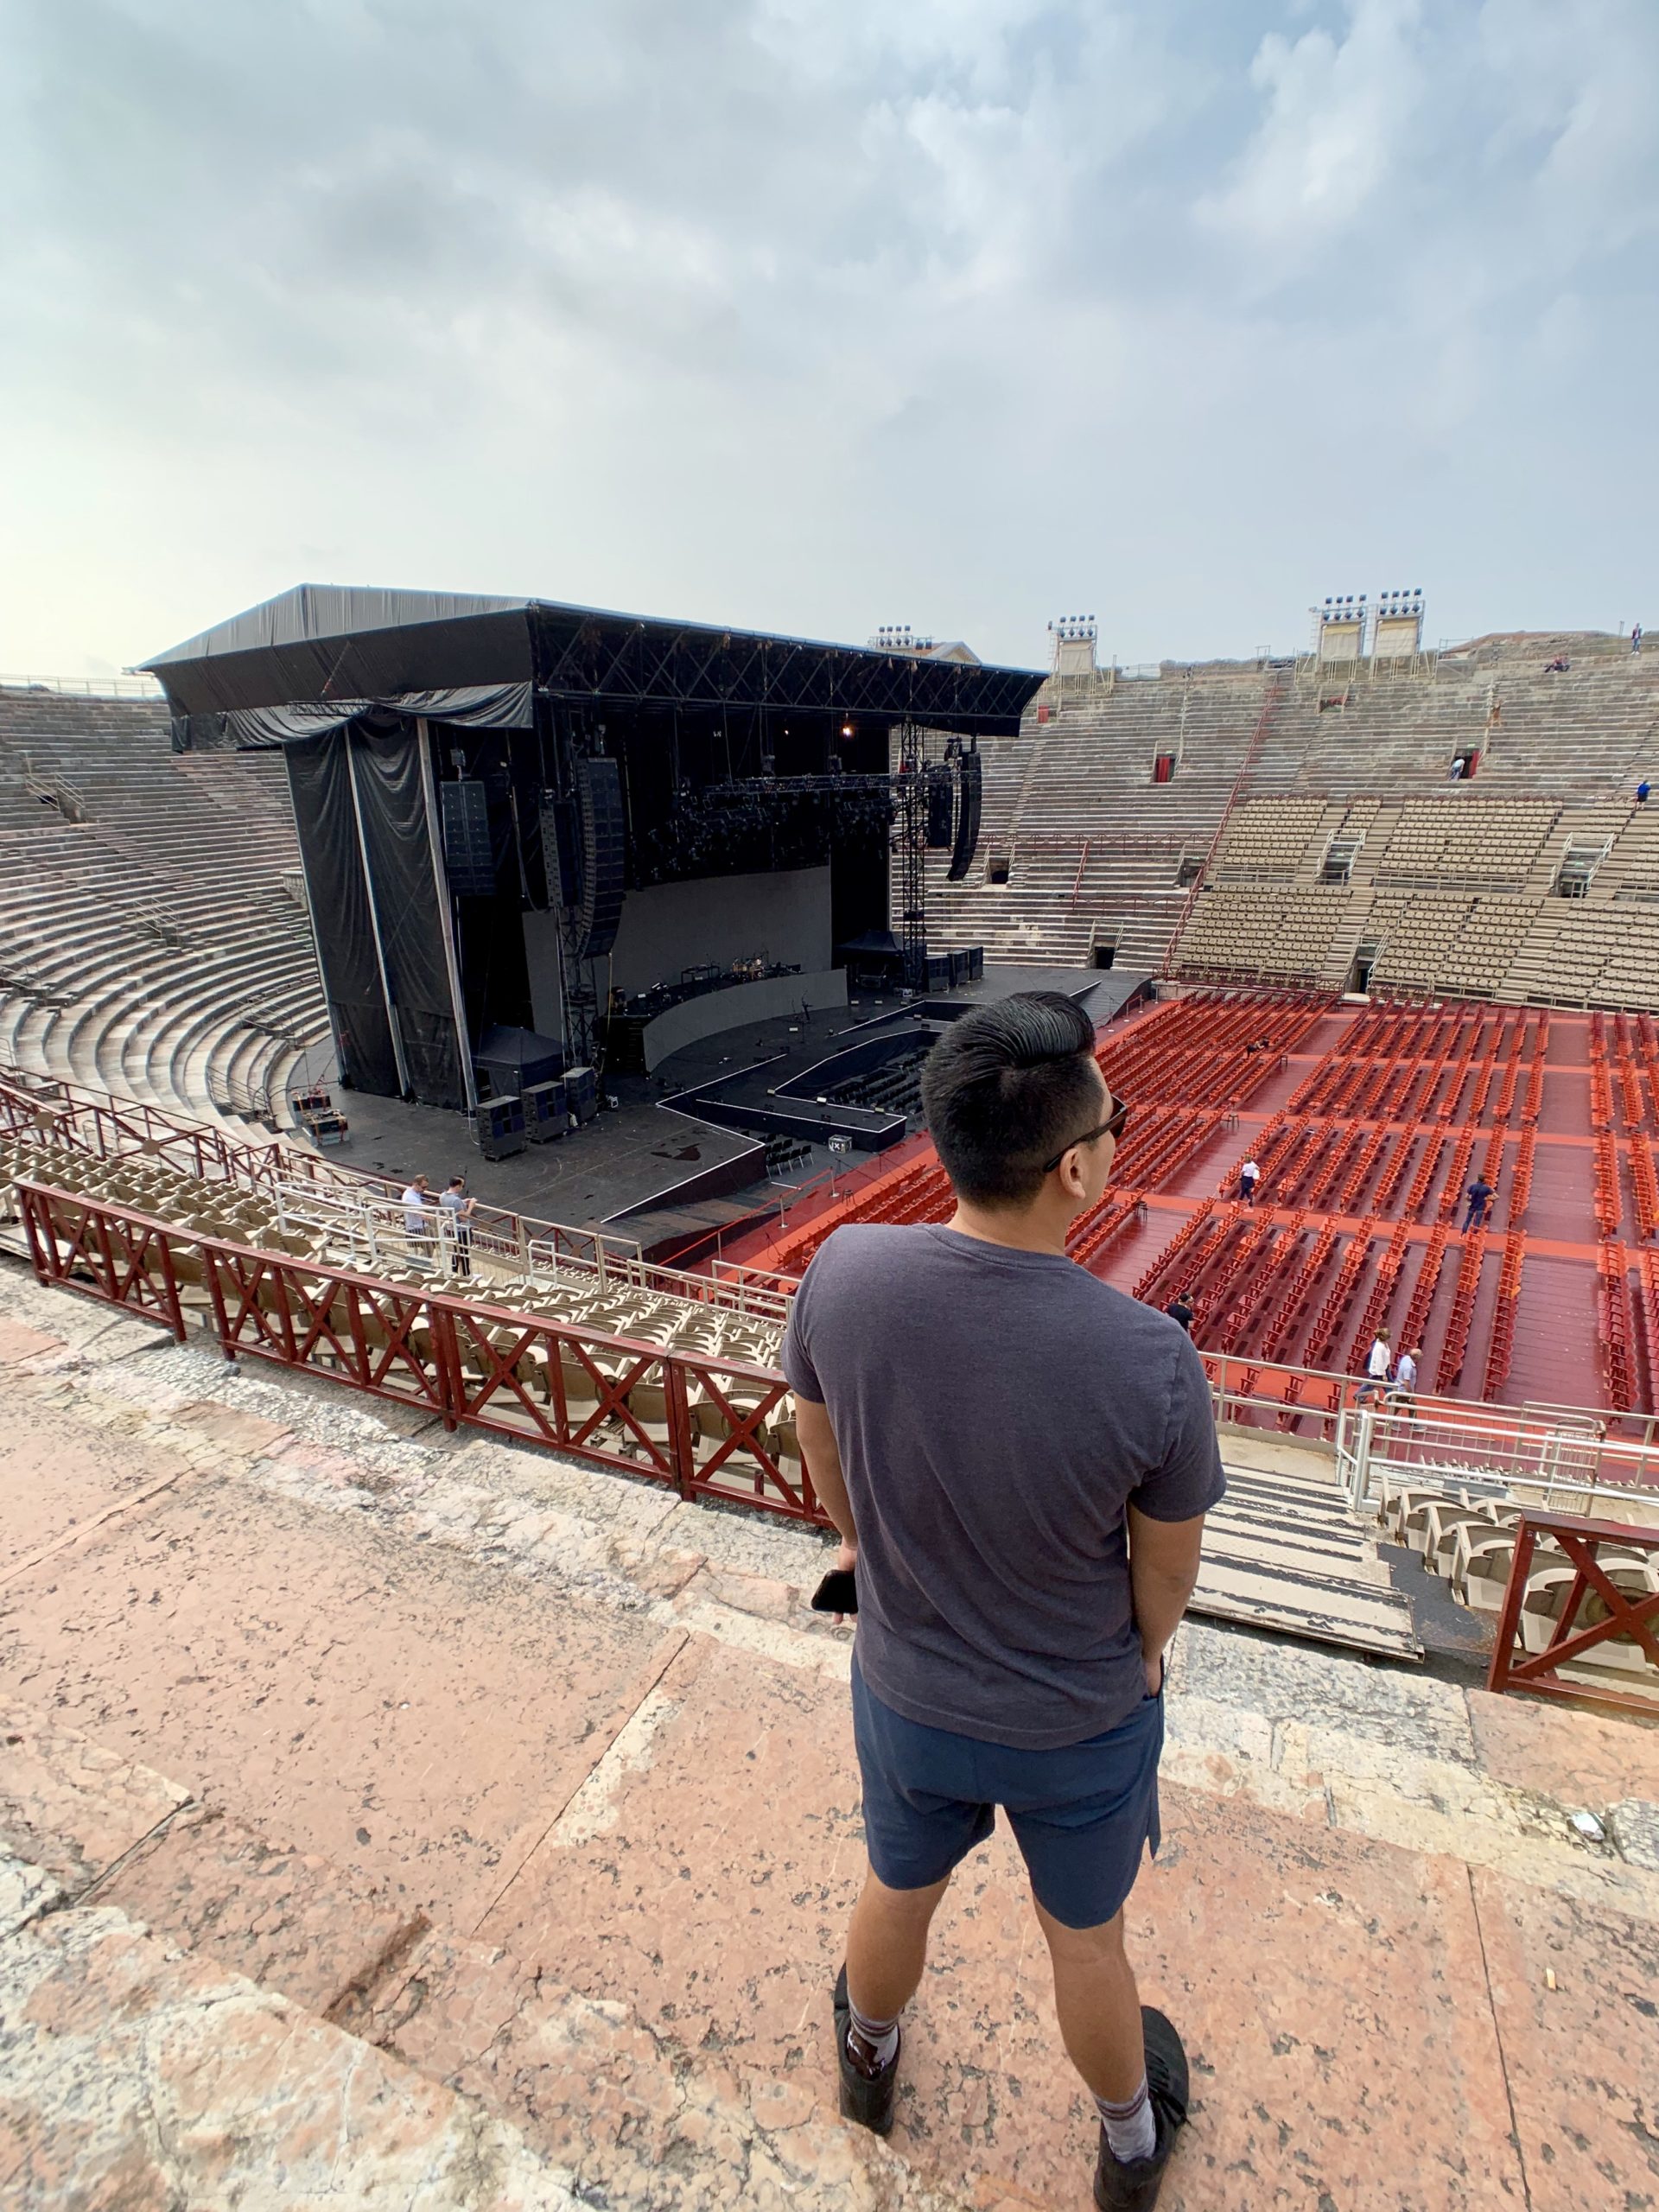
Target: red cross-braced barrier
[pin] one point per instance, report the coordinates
(708, 1425)
(1592, 1607)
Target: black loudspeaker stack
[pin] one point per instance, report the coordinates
(967, 843)
(603, 840)
(936, 975)
(500, 1127)
(546, 1115)
(468, 858)
(581, 1093)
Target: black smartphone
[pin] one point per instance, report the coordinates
(838, 1592)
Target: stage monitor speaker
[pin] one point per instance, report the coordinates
(936, 974)
(581, 1093)
(546, 1115)
(976, 963)
(500, 1127)
(468, 858)
(604, 841)
(959, 969)
(938, 810)
(967, 843)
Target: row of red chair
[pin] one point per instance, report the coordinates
(1644, 1182)
(1609, 1210)
(1613, 1324)
(1300, 1294)
(1521, 1181)
(1328, 1323)
(1455, 1182)
(1501, 1349)
(1428, 1282)
(1197, 1226)
(1382, 1297)
(1225, 1293)
(1455, 1343)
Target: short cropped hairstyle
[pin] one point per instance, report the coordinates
(1008, 1086)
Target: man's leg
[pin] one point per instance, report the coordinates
(886, 1946)
(1098, 2004)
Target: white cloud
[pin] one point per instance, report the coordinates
(820, 312)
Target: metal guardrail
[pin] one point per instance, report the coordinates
(87, 687)
(711, 1425)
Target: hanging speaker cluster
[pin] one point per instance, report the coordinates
(603, 839)
(940, 801)
(969, 803)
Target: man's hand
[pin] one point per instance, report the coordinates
(847, 1557)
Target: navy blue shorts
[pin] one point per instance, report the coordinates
(1081, 1815)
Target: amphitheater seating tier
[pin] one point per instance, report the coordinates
(1453, 880)
(145, 913)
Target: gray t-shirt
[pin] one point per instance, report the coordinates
(995, 1411)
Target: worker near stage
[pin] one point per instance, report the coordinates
(1180, 1311)
(1480, 1195)
(458, 1209)
(417, 1223)
(1024, 1550)
(1379, 1363)
(1249, 1176)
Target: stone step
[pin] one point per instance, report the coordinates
(120, 1892)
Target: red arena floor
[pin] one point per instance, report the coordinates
(1369, 1123)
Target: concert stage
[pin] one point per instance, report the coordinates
(644, 1152)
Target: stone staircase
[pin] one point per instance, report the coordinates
(159, 1957)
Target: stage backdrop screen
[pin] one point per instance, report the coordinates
(720, 919)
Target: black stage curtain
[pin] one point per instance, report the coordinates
(250, 729)
(389, 791)
(318, 783)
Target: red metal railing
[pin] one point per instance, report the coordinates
(1582, 1541)
(709, 1425)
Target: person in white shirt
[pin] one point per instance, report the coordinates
(1249, 1176)
(1378, 1361)
(1405, 1375)
(416, 1226)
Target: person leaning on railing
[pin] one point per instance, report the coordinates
(1019, 1459)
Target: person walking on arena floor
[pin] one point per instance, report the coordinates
(1480, 1195)
(1019, 1459)
(1379, 1363)
(1180, 1309)
(1249, 1176)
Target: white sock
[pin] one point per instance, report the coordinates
(882, 2035)
(1131, 2130)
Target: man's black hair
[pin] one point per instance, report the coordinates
(1008, 1086)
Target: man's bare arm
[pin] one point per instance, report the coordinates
(823, 1463)
(1163, 1573)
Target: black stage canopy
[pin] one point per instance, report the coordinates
(330, 643)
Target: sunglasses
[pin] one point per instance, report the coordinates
(1113, 1126)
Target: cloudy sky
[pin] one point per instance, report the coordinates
(815, 314)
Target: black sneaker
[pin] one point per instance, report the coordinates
(867, 2098)
(1132, 2184)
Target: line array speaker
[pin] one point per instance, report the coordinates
(967, 844)
(939, 796)
(468, 858)
(604, 839)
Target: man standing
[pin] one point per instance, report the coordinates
(1180, 1309)
(1019, 1461)
(416, 1226)
(1479, 1195)
(1642, 791)
(1249, 1176)
(458, 1211)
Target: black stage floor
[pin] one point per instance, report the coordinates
(625, 1158)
